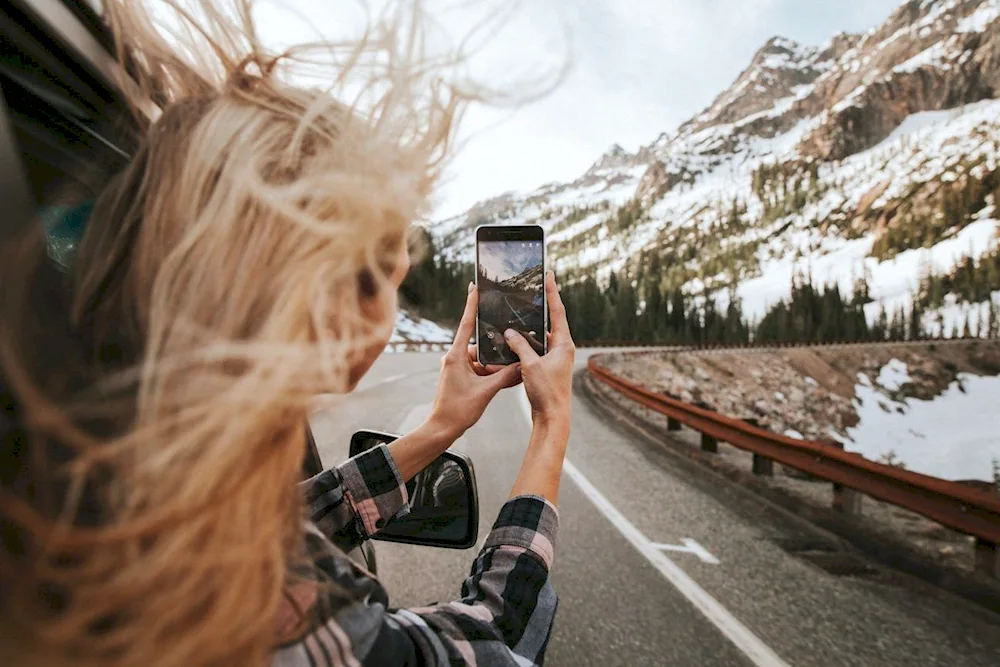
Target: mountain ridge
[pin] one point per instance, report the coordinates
(530, 280)
(838, 149)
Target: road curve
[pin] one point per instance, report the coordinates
(659, 563)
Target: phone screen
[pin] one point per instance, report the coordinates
(510, 266)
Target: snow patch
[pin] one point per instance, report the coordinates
(980, 19)
(412, 329)
(893, 375)
(914, 124)
(934, 56)
(952, 436)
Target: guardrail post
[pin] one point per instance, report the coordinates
(988, 558)
(672, 424)
(762, 465)
(847, 501)
(708, 443)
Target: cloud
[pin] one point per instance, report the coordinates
(506, 259)
(638, 69)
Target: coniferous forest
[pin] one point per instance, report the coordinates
(630, 307)
(626, 309)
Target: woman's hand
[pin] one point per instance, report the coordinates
(548, 380)
(466, 387)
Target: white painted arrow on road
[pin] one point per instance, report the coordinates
(690, 547)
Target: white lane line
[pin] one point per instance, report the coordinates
(690, 547)
(327, 401)
(746, 641)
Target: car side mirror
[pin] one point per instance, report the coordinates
(444, 501)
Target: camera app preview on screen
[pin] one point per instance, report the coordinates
(511, 279)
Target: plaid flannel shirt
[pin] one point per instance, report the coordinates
(507, 605)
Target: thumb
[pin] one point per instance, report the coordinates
(520, 346)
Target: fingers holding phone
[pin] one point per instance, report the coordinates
(548, 379)
(533, 341)
(465, 387)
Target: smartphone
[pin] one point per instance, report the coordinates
(510, 276)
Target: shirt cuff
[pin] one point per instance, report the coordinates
(529, 522)
(374, 487)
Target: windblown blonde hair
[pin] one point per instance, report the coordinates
(225, 278)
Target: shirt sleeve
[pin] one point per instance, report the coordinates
(355, 500)
(503, 618)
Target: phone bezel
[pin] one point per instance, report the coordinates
(485, 233)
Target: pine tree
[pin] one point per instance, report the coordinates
(678, 316)
(736, 329)
(611, 332)
(916, 328)
(655, 311)
(625, 311)
(613, 287)
(881, 330)
(897, 327)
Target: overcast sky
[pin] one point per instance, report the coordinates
(506, 259)
(639, 68)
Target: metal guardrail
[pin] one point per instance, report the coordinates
(959, 507)
(738, 347)
(422, 346)
(712, 348)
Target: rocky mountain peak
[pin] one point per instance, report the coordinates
(929, 55)
(811, 148)
(617, 151)
(777, 71)
(614, 158)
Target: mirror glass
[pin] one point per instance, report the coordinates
(443, 503)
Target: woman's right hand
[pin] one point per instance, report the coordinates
(548, 380)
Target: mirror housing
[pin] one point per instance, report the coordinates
(443, 499)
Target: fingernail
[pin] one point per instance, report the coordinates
(550, 273)
(472, 286)
(509, 333)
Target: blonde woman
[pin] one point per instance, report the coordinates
(246, 259)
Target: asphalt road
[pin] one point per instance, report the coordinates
(659, 562)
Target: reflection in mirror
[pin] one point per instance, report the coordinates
(439, 504)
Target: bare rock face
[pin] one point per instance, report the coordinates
(656, 181)
(615, 157)
(490, 209)
(779, 68)
(803, 107)
(925, 58)
(928, 56)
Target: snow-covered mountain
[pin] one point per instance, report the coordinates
(530, 280)
(411, 328)
(874, 154)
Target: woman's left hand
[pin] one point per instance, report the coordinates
(466, 387)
